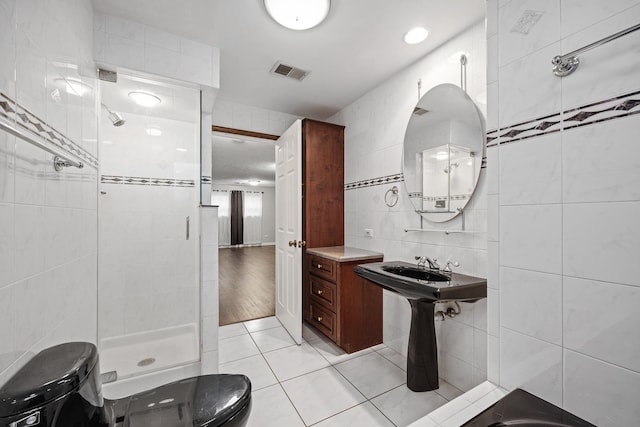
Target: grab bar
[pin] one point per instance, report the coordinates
(563, 65)
(60, 160)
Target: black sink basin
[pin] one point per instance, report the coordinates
(419, 273)
(414, 282)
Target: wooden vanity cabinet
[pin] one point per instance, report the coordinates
(342, 305)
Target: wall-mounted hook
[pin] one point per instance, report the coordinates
(391, 196)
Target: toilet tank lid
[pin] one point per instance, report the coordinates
(49, 375)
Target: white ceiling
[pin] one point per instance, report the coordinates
(237, 159)
(358, 46)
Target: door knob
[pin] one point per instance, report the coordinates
(302, 243)
(292, 243)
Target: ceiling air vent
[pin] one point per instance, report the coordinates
(419, 111)
(289, 71)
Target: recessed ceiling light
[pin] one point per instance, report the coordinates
(154, 131)
(74, 86)
(144, 99)
(254, 181)
(296, 14)
(181, 149)
(416, 35)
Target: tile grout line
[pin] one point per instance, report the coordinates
(330, 365)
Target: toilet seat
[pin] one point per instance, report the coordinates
(204, 401)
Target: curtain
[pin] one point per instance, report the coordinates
(252, 218)
(236, 218)
(221, 199)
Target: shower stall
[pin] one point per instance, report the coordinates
(148, 294)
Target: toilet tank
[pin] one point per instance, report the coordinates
(59, 386)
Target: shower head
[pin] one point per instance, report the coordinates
(116, 118)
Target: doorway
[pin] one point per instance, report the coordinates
(243, 167)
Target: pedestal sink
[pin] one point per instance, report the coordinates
(423, 288)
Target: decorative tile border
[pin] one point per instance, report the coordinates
(374, 181)
(27, 121)
(537, 127)
(492, 138)
(205, 179)
(453, 197)
(390, 179)
(613, 108)
(136, 180)
(609, 109)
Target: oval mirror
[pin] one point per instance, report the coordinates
(443, 149)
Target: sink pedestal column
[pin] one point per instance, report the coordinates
(422, 355)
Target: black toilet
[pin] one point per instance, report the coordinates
(60, 387)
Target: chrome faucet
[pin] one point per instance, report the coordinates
(447, 268)
(423, 261)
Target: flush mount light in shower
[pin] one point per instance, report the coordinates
(144, 99)
(296, 14)
(416, 35)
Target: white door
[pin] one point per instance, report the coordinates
(289, 230)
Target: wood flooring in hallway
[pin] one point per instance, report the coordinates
(247, 283)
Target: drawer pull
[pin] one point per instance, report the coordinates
(319, 292)
(319, 265)
(319, 318)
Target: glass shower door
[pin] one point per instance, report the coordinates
(148, 299)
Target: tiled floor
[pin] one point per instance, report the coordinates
(318, 384)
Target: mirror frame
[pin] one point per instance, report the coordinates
(478, 127)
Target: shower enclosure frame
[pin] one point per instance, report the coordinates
(187, 367)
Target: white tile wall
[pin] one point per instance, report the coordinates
(530, 173)
(122, 43)
(374, 133)
(590, 385)
(531, 238)
(531, 364)
(609, 337)
(48, 228)
(209, 289)
(598, 172)
(569, 205)
(531, 303)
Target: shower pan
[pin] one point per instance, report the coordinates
(148, 276)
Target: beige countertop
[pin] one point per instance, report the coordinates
(344, 253)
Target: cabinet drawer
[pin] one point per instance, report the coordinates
(323, 267)
(323, 292)
(323, 319)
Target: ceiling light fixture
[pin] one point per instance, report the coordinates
(144, 99)
(416, 35)
(254, 181)
(296, 14)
